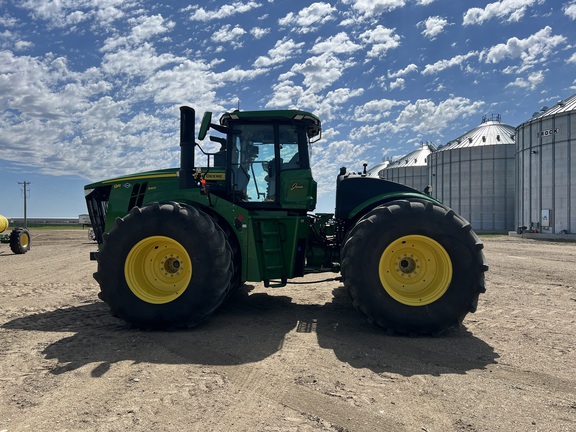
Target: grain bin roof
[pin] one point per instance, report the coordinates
(490, 132)
(565, 105)
(416, 158)
(373, 172)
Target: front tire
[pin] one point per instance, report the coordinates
(414, 267)
(20, 240)
(164, 266)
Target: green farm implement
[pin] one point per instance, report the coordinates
(18, 239)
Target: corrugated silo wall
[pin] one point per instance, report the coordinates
(413, 176)
(478, 183)
(546, 164)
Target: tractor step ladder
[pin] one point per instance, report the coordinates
(272, 256)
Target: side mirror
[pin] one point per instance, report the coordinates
(205, 125)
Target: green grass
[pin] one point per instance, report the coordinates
(57, 227)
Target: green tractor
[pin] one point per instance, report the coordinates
(173, 243)
(19, 238)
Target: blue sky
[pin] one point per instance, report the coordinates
(90, 89)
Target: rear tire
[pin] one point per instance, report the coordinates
(164, 266)
(20, 240)
(414, 267)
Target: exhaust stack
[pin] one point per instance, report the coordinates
(187, 144)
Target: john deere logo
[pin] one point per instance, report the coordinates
(215, 176)
(296, 186)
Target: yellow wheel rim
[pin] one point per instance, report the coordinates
(24, 240)
(415, 270)
(158, 269)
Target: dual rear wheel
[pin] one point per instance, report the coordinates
(413, 267)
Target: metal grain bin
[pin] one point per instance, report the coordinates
(412, 169)
(475, 175)
(546, 165)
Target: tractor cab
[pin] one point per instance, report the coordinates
(263, 162)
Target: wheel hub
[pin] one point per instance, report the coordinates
(415, 270)
(158, 269)
(171, 266)
(407, 265)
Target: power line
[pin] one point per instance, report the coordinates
(26, 193)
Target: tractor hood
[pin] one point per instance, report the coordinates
(165, 173)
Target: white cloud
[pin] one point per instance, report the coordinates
(228, 34)
(333, 102)
(8, 21)
(77, 17)
(227, 10)
(140, 61)
(283, 50)
(66, 13)
(572, 59)
(376, 110)
(402, 72)
(338, 44)
(308, 19)
(235, 75)
(321, 71)
(108, 14)
(149, 26)
(441, 65)
(504, 10)
(532, 50)
(570, 11)
(530, 83)
(188, 81)
(426, 116)
(398, 84)
(368, 131)
(382, 39)
(286, 95)
(423, 117)
(259, 32)
(142, 28)
(328, 157)
(375, 7)
(43, 94)
(22, 45)
(433, 26)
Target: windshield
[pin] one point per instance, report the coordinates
(260, 152)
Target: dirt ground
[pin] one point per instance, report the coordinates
(298, 358)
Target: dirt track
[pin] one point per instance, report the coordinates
(292, 359)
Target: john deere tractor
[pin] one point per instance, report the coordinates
(173, 243)
(19, 238)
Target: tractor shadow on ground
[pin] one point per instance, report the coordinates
(248, 328)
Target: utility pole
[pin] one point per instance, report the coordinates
(26, 191)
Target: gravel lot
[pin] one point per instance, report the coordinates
(298, 358)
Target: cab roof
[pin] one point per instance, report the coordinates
(314, 124)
